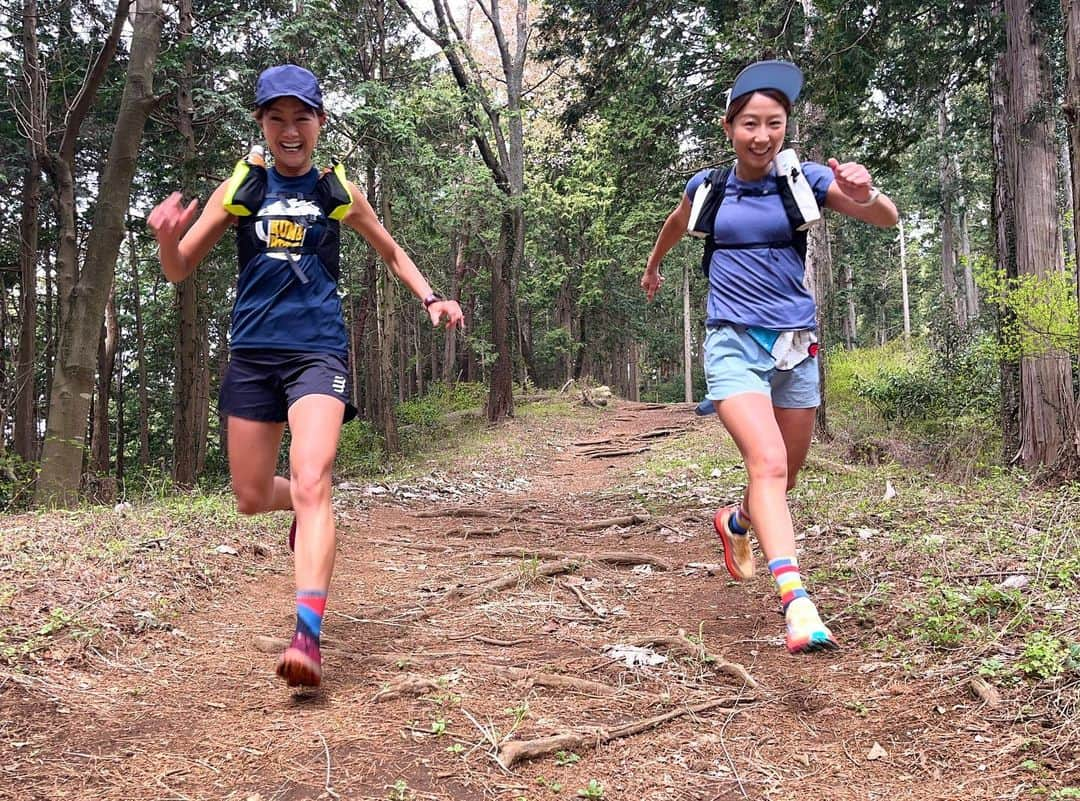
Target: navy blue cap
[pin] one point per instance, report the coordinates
(288, 80)
(783, 76)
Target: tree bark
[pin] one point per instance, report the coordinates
(948, 219)
(1047, 406)
(100, 441)
(1004, 220)
(140, 352)
(80, 328)
(1070, 12)
(33, 112)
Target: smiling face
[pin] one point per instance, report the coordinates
(757, 133)
(291, 129)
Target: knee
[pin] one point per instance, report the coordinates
(249, 500)
(310, 486)
(770, 465)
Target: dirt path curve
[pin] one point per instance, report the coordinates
(430, 673)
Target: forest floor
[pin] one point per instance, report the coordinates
(475, 609)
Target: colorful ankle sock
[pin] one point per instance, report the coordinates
(734, 524)
(785, 571)
(310, 605)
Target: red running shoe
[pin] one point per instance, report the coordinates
(301, 663)
(738, 557)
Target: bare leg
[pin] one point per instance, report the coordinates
(253, 454)
(315, 422)
(750, 420)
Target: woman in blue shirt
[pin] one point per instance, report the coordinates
(760, 346)
(288, 343)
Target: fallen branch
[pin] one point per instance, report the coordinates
(409, 684)
(695, 651)
(511, 753)
(624, 520)
(600, 613)
(555, 681)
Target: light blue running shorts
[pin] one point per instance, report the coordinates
(736, 363)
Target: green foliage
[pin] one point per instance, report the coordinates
(361, 450)
(16, 482)
(1039, 312)
(1045, 656)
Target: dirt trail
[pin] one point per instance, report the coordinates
(199, 715)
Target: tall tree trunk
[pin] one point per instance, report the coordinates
(819, 263)
(948, 218)
(971, 292)
(850, 319)
(1070, 11)
(100, 441)
(459, 248)
(33, 118)
(1047, 407)
(500, 403)
(688, 364)
(1004, 218)
(190, 408)
(25, 396)
(386, 420)
(140, 352)
(904, 280)
(80, 326)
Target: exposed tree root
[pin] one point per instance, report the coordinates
(622, 520)
(555, 681)
(612, 453)
(513, 579)
(586, 443)
(684, 646)
(409, 684)
(510, 753)
(660, 432)
(460, 511)
(603, 557)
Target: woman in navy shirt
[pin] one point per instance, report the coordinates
(288, 343)
(760, 343)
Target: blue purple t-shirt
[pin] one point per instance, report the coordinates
(759, 286)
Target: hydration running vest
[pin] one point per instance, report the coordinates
(715, 184)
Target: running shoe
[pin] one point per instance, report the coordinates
(301, 663)
(737, 554)
(805, 631)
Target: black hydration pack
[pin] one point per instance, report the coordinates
(715, 184)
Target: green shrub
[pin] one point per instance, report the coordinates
(361, 450)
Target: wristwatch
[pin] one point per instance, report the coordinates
(434, 297)
(875, 193)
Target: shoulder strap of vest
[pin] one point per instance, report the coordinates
(247, 190)
(798, 238)
(717, 180)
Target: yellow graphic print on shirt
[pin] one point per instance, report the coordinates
(284, 223)
(285, 234)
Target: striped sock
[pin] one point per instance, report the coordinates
(735, 522)
(785, 571)
(310, 605)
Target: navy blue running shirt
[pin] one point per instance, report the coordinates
(286, 294)
(762, 287)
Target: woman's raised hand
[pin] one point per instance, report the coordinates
(853, 179)
(170, 218)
